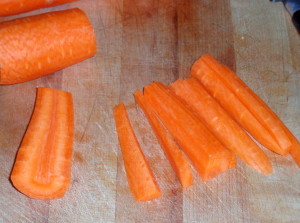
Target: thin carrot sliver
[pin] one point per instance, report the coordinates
(140, 178)
(295, 149)
(42, 169)
(178, 161)
(206, 153)
(38, 45)
(13, 7)
(210, 112)
(242, 104)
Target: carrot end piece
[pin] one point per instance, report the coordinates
(42, 169)
(44, 50)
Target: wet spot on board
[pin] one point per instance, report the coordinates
(82, 137)
(78, 157)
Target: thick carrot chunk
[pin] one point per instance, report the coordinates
(42, 168)
(38, 45)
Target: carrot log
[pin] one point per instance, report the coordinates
(12, 7)
(140, 178)
(34, 46)
(43, 163)
(242, 104)
(210, 112)
(178, 161)
(207, 154)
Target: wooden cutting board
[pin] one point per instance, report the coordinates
(140, 41)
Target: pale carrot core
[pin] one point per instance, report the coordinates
(43, 172)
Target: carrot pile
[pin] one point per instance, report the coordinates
(206, 118)
(42, 168)
(203, 119)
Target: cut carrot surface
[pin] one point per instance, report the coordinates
(242, 104)
(176, 157)
(42, 169)
(140, 178)
(206, 153)
(210, 112)
(34, 46)
(295, 150)
(12, 7)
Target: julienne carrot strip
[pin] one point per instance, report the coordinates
(34, 46)
(295, 149)
(140, 178)
(177, 159)
(12, 7)
(207, 154)
(43, 163)
(251, 115)
(210, 112)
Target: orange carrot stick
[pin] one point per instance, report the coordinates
(43, 163)
(242, 104)
(207, 154)
(210, 112)
(12, 7)
(140, 178)
(38, 45)
(295, 150)
(177, 159)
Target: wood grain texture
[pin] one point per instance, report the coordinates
(140, 41)
(149, 53)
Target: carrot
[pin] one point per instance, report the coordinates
(206, 153)
(242, 104)
(175, 156)
(43, 163)
(295, 150)
(34, 46)
(210, 112)
(12, 7)
(140, 178)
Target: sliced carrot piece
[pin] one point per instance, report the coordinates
(295, 150)
(13, 7)
(34, 46)
(210, 112)
(42, 169)
(242, 104)
(178, 161)
(140, 178)
(207, 154)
